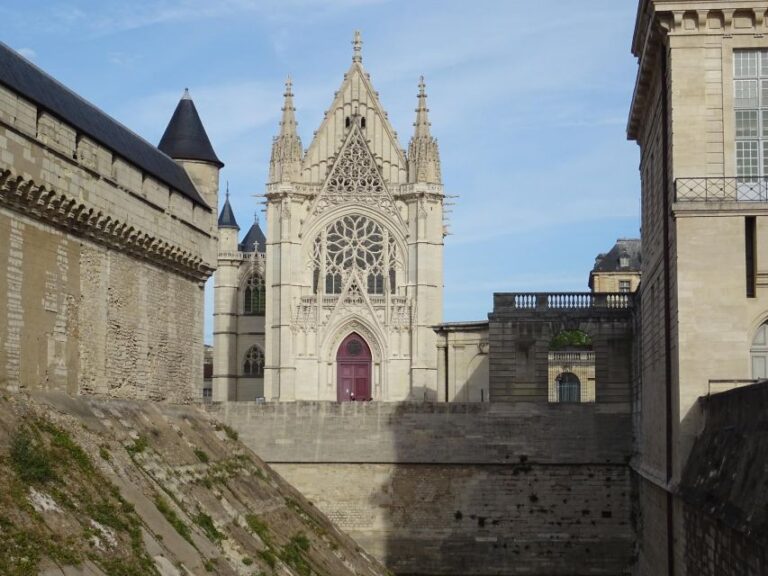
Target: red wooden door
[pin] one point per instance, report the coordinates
(353, 365)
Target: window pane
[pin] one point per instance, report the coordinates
(764, 64)
(765, 157)
(745, 64)
(746, 123)
(745, 95)
(747, 158)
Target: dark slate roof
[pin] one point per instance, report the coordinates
(227, 216)
(610, 262)
(185, 137)
(254, 235)
(23, 77)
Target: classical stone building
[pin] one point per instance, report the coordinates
(698, 115)
(618, 270)
(354, 258)
(105, 245)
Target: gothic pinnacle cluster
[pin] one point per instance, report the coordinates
(285, 163)
(423, 154)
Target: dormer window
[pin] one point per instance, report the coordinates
(624, 261)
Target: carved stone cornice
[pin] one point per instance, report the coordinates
(57, 209)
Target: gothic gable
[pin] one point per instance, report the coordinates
(356, 98)
(355, 179)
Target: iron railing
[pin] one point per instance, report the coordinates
(569, 300)
(752, 189)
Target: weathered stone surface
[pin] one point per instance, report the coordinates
(224, 512)
(459, 489)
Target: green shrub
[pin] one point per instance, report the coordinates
(29, 458)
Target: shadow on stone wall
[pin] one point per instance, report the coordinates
(496, 495)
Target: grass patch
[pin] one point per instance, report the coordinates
(228, 430)
(104, 453)
(44, 454)
(269, 558)
(173, 518)
(138, 446)
(202, 456)
(293, 554)
(29, 458)
(259, 527)
(206, 523)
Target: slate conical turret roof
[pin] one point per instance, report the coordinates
(255, 240)
(227, 216)
(185, 137)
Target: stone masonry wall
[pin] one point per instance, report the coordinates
(722, 496)
(77, 317)
(459, 489)
(101, 267)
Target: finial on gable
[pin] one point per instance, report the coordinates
(357, 46)
(186, 95)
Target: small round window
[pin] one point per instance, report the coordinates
(354, 348)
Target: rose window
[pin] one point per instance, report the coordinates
(354, 243)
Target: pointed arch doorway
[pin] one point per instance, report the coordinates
(353, 369)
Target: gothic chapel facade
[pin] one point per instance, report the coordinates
(353, 269)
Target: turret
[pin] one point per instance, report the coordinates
(423, 154)
(285, 163)
(186, 141)
(228, 228)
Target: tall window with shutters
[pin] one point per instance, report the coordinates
(750, 91)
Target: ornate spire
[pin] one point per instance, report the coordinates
(285, 164)
(357, 47)
(423, 154)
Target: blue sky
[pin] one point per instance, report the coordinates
(528, 101)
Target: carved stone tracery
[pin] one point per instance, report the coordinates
(355, 178)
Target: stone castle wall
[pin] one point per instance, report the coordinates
(722, 502)
(101, 289)
(462, 489)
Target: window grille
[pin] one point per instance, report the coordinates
(750, 91)
(253, 365)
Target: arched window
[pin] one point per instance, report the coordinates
(253, 365)
(254, 296)
(355, 243)
(568, 387)
(571, 367)
(759, 353)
